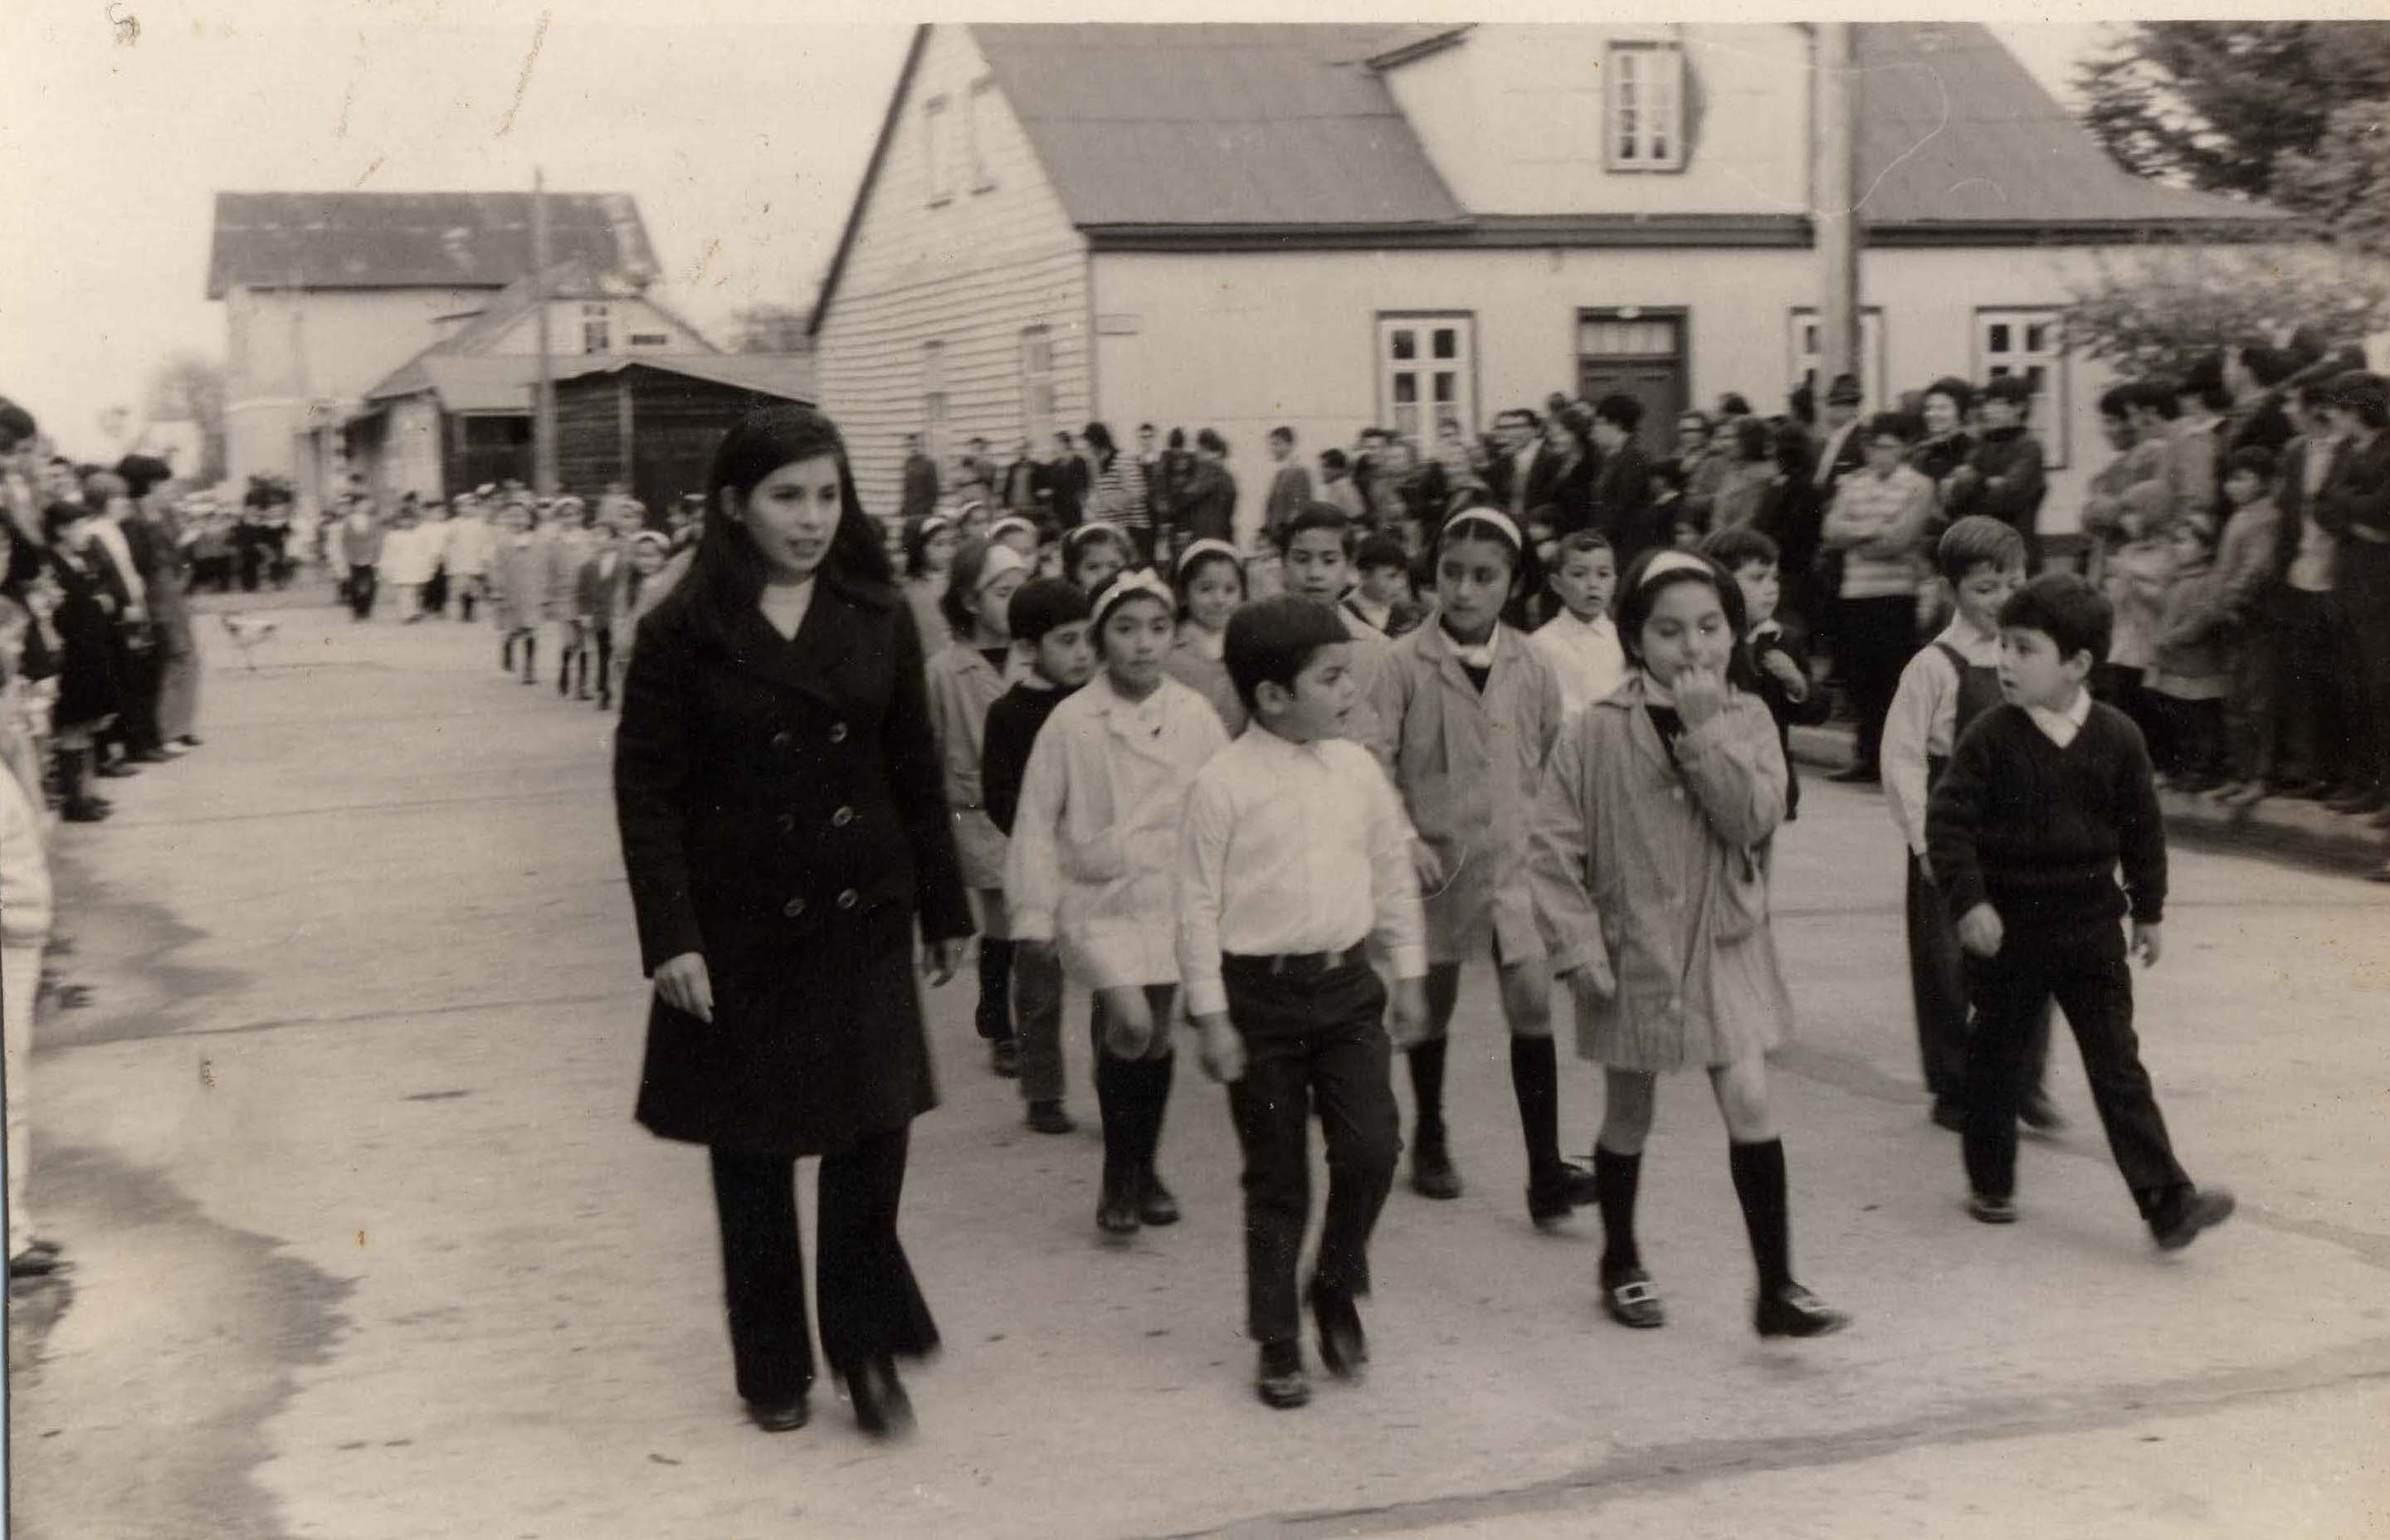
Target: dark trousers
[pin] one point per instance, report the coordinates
(1873, 639)
(2364, 594)
(2126, 688)
(361, 592)
(871, 1308)
(1938, 985)
(1132, 1094)
(2194, 736)
(435, 592)
(994, 1015)
(2249, 711)
(1310, 1042)
(1037, 1016)
(2312, 682)
(2091, 980)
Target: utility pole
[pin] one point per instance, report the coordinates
(543, 429)
(1834, 212)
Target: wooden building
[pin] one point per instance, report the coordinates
(652, 423)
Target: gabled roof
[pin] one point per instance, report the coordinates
(1954, 133)
(789, 376)
(573, 278)
(503, 382)
(1216, 123)
(405, 240)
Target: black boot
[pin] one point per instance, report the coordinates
(1432, 1171)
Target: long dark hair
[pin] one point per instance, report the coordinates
(728, 564)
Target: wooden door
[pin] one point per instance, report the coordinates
(1638, 353)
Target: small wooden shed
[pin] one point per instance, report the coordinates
(652, 423)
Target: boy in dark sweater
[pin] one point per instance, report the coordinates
(1050, 617)
(1779, 662)
(2045, 794)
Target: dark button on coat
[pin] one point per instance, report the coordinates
(737, 752)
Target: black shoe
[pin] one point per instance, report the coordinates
(1280, 1381)
(1004, 1057)
(1950, 1114)
(1154, 1203)
(150, 756)
(1628, 1298)
(881, 1407)
(1793, 1311)
(1432, 1171)
(189, 740)
(2040, 1114)
(1343, 1346)
(1992, 1210)
(1559, 1192)
(2362, 803)
(31, 1263)
(2198, 1211)
(1116, 1209)
(85, 812)
(786, 1418)
(1047, 1117)
(1857, 775)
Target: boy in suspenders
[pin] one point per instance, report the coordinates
(1946, 686)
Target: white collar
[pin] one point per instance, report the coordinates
(1211, 644)
(1478, 656)
(1656, 693)
(2073, 715)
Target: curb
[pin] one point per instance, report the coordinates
(2305, 830)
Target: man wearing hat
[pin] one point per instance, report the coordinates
(2004, 477)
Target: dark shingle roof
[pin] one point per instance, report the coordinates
(1216, 123)
(1269, 124)
(402, 241)
(1953, 130)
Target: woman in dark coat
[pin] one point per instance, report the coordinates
(89, 695)
(785, 831)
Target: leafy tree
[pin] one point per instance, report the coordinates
(2345, 182)
(2150, 311)
(189, 388)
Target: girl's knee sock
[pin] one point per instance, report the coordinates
(1759, 1182)
(1427, 1086)
(1154, 1078)
(1117, 1104)
(1615, 1177)
(995, 1014)
(1534, 1080)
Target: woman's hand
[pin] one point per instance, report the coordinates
(941, 959)
(686, 986)
(1701, 695)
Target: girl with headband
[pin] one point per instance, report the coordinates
(1211, 586)
(1093, 867)
(1648, 864)
(1465, 713)
(930, 541)
(965, 679)
(1093, 555)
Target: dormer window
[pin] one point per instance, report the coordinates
(1647, 106)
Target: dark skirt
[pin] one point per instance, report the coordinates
(814, 1045)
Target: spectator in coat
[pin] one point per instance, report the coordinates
(2355, 506)
(1207, 508)
(1568, 440)
(1878, 521)
(1015, 486)
(2314, 702)
(1068, 479)
(1119, 491)
(2003, 476)
(1946, 444)
(921, 494)
(1622, 486)
(1290, 488)
(785, 831)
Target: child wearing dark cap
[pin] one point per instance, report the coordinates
(1049, 619)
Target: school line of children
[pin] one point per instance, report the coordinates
(1274, 820)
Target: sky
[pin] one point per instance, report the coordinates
(742, 135)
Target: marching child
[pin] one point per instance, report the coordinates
(930, 542)
(1779, 666)
(1380, 602)
(1317, 563)
(472, 546)
(1027, 540)
(1090, 872)
(1649, 864)
(521, 596)
(595, 588)
(1945, 688)
(1292, 851)
(1093, 555)
(2046, 795)
(1581, 641)
(1050, 620)
(966, 679)
(1467, 713)
(1211, 586)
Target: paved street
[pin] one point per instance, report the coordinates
(367, 1247)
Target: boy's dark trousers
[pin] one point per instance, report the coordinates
(361, 592)
(1312, 1038)
(1875, 640)
(2311, 687)
(1037, 1017)
(2249, 710)
(1938, 985)
(2195, 735)
(2090, 977)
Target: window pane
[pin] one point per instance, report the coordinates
(2036, 336)
(1996, 338)
(1446, 342)
(1405, 389)
(1447, 386)
(1405, 344)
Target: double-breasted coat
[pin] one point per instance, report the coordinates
(1656, 859)
(1468, 764)
(781, 815)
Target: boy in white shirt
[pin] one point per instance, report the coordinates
(1294, 850)
(1581, 642)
